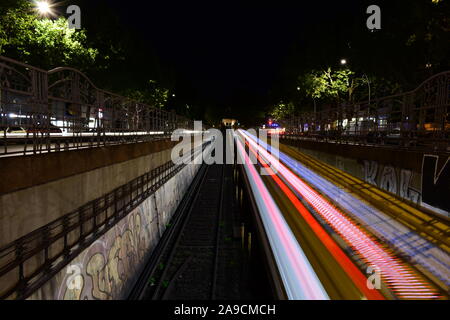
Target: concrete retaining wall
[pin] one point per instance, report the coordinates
(24, 210)
(109, 267)
(423, 178)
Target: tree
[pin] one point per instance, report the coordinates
(108, 58)
(158, 94)
(43, 42)
(282, 110)
(329, 85)
(153, 94)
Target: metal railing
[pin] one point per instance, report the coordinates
(418, 118)
(61, 109)
(28, 262)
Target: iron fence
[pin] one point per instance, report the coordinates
(61, 109)
(418, 118)
(28, 262)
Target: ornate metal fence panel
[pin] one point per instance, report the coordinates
(416, 119)
(61, 109)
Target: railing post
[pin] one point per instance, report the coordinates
(46, 243)
(22, 283)
(65, 226)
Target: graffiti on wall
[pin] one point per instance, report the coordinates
(436, 182)
(395, 180)
(432, 186)
(103, 270)
(108, 268)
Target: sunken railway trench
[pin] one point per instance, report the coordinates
(207, 251)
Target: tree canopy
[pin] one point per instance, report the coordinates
(43, 42)
(48, 42)
(412, 45)
(152, 94)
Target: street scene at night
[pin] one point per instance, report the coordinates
(215, 159)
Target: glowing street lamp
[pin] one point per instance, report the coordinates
(343, 62)
(43, 7)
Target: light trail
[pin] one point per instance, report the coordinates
(401, 238)
(353, 272)
(299, 279)
(393, 271)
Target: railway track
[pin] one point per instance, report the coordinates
(186, 260)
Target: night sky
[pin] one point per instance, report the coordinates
(229, 55)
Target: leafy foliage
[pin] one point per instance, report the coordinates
(49, 43)
(328, 84)
(343, 85)
(413, 44)
(158, 95)
(153, 94)
(282, 110)
(43, 42)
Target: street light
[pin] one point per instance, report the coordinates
(43, 7)
(343, 61)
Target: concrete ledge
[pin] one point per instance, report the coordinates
(384, 155)
(26, 171)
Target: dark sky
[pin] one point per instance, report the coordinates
(226, 53)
